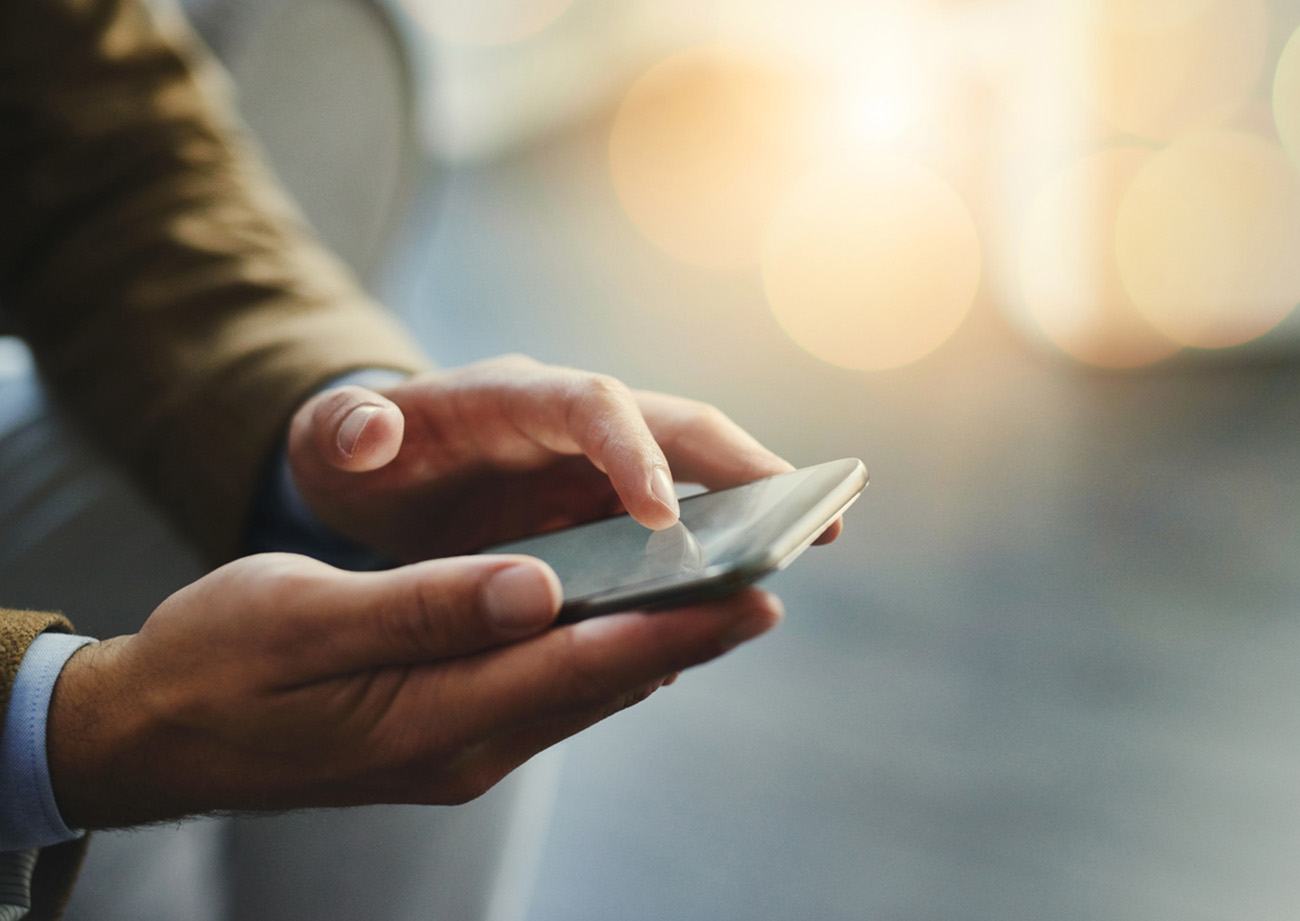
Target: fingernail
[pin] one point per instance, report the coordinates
(353, 425)
(661, 484)
(521, 599)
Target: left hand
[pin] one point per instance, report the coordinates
(450, 462)
(277, 682)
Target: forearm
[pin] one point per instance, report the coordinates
(175, 300)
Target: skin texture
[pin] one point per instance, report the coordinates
(451, 462)
(279, 682)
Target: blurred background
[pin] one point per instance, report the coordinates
(1037, 264)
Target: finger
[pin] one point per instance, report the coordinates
(425, 612)
(703, 445)
(349, 428)
(485, 762)
(589, 666)
(508, 751)
(568, 411)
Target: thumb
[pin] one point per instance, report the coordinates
(424, 612)
(348, 428)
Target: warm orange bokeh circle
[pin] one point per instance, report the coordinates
(873, 266)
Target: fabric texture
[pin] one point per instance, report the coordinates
(177, 304)
(16, 869)
(48, 875)
(29, 815)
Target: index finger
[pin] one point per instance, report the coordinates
(703, 445)
(579, 412)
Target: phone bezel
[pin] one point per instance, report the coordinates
(722, 579)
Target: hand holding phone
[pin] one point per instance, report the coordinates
(723, 541)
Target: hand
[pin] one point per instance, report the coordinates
(278, 682)
(451, 462)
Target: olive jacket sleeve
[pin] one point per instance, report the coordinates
(177, 304)
(178, 307)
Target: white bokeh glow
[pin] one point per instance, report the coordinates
(880, 116)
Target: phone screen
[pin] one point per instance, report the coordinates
(717, 532)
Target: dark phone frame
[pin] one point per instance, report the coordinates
(778, 538)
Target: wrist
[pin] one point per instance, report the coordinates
(97, 743)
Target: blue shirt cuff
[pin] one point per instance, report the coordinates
(281, 519)
(29, 817)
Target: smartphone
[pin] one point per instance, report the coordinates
(724, 541)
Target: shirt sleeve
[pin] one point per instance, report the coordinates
(29, 816)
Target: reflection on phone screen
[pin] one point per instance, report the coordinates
(715, 528)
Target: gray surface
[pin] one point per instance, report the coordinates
(1049, 671)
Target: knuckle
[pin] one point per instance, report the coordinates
(450, 778)
(631, 698)
(599, 408)
(515, 361)
(288, 576)
(470, 784)
(453, 794)
(640, 695)
(585, 684)
(417, 620)
(336, 403)
(702, 421)
(708, 416)
(604, 390)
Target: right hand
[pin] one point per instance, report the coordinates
(278, 682)
(449, 462)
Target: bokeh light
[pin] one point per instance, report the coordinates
(486, 22)
(1069, 277)
(703, 147)
(1207, 239)
(1256, 118)
(882, 106)
(1190, 66)
(1286, 97)
(873, 266)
